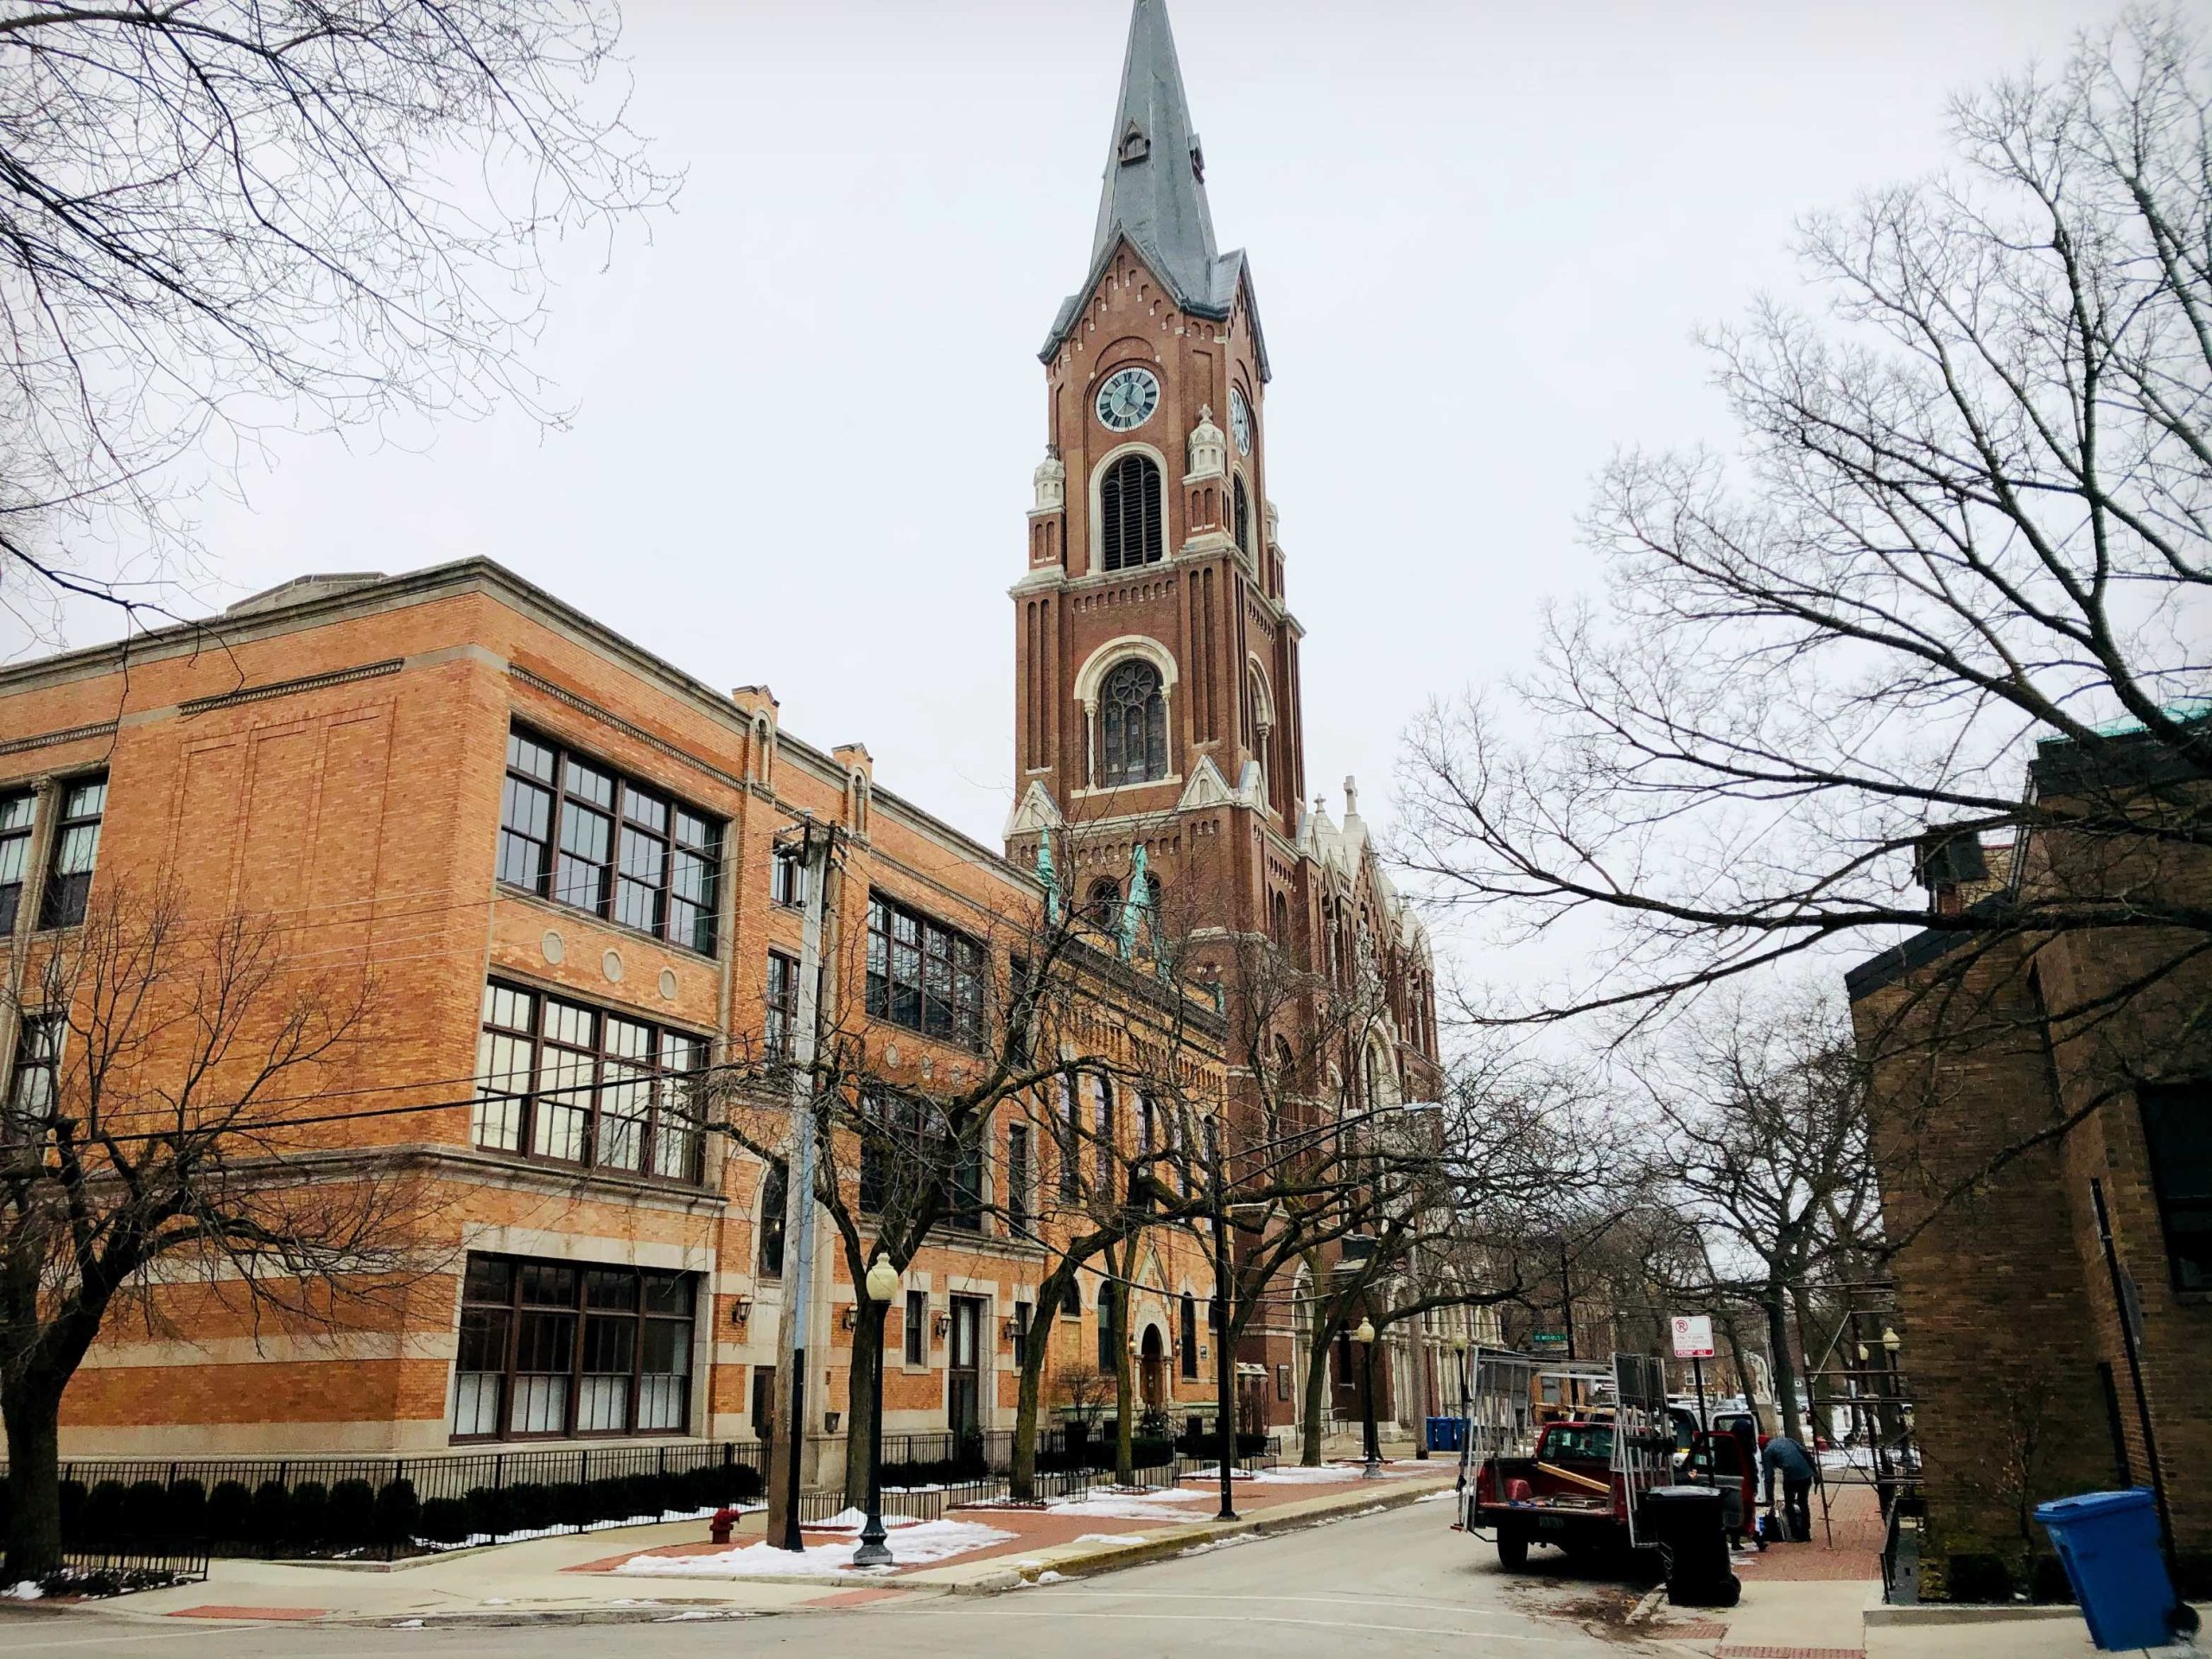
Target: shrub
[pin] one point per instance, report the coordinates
(2047, 1580)
(398, 1513)
(702, 1487)
(1151, 1453)
(105, 1516)
(270, 1521)
(72, 1500)
(352, 1513)
(1978, 1578)
(571, 1504)
(745, 1483)
(529, 1507)
(187, 1518)
(445, 1520)
(309, 1525)
(489, 1511)
(230, 1512)
(146, 1510)
(1251, 1445)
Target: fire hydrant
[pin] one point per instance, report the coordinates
(718, 1529)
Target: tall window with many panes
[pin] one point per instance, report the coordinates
(922, 975)
(76, 848)
(576, 1084)
(582, 834)
(18, 816)
(559, 1348)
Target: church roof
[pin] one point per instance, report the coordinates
(1154, 192)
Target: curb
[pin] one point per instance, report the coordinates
(1927, 1613)
(1170, 1545)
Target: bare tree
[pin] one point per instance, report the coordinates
(1765, 1130)
(902, 1148)
(222, 217)
(165, 1126)
(1969, 514)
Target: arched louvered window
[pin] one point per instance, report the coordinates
(1128, 514)
(1133, 725)
(1102, 903)
(1241, 506)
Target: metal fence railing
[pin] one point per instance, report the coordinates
(165, 1514)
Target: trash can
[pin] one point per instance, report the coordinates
(1444, 1434)
(1685, 1522)
(2109, 1543)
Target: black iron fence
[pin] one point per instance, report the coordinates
(165, 1514)
(137, 1509)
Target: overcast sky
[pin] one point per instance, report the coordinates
(1481, 235)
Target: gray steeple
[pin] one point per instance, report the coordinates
(1155, 192)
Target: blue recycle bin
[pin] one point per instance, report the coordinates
(2109, 1543)
(1444, 1434)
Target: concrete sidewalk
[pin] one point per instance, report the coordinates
(570, 1578)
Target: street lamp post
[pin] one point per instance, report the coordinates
(1365, 1336)
(882, 1284)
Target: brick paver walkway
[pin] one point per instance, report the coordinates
(1044, 1529)
(1854, 1523)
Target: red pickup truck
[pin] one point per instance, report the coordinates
(1575, 1492)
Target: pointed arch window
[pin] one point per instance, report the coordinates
(1128, 514)
(1241, 519)
(1133, 718)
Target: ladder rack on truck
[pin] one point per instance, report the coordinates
(1575, 1480)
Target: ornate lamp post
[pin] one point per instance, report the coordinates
(1365, 1336)
(875, 1548)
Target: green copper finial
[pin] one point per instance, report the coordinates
(1045, 873)
(1137, 905)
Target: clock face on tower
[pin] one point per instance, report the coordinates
(1240, 421)
(1128, 398)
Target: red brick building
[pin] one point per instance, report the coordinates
(556, 857)
(555, 854)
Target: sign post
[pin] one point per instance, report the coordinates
(1694, 1341)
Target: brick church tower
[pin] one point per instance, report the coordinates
(1158, 708)
(1158, 686)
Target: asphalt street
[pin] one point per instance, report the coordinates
(1400, 1583)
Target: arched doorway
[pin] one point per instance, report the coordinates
(1152, 1369)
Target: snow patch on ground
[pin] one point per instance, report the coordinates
(27, 1591)
(1110, 1538)
(917, 1544)
(1444, 1496)
(1145, 1505)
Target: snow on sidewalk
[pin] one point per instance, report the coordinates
(917, 1543)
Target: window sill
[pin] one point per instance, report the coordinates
(508, 889)
(1122, 788)
(552, 1172)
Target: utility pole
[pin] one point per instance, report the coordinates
(1224, 1362)
(1566, 1298)
(817, 846)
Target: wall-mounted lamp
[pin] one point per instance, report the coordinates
(1006, 1330)
(740, 1310)
(851, 1317)
(942, 1323)
(830, 1420)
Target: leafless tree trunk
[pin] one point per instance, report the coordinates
(172, 1127)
